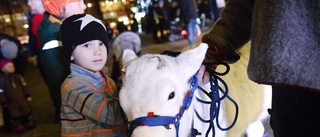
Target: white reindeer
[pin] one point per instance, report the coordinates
(155, 87)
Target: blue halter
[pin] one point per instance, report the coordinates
(166, 120)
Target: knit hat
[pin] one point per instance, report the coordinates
(4, 62)
(9, 50)
(81, 28)
(126, 40)
(53, 6)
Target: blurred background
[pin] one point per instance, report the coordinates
(116, 14)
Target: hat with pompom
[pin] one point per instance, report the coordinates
(9, 50)
(126, 40)
(81, 28)
(3, 62)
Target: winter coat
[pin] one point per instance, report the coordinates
(34, 42)
(54, 65)
(90, 105)
(188, 9)
(285, 39)
(14, 94)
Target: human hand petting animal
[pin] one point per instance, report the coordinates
(203, 75)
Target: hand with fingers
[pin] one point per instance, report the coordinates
(216, 56)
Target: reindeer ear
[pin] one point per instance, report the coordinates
(162, 63)
(191, 60)
(127, 56)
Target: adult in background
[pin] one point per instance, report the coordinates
(189, 14)
(285, 51)
(54, 65)
(158, 19)
(35, 17)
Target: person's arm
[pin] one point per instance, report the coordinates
(230, 32)
(86, 100)
(24, 87)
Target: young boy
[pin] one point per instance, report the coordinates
(15, 98)
(89, 98)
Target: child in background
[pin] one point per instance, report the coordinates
(89, 98)
(15, 97)
(126, 40)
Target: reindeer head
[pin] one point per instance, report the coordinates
(157, 84)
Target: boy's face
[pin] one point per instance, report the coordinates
(8, 68)
(91, 55)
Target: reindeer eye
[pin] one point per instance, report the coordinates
(171, 96)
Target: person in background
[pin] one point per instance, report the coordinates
(285, 51)
(35, 17)
(6, 119)
(90, 100)
(11, 49)
(126, 40)
(55, 67)
(174, 11)
(203, 12)
(15, 98)
(190, 15)
(158, 21)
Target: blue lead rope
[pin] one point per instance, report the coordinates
(216, 101)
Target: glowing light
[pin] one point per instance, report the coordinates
(89, 5)
(112, 24)
(25, 26)
(7, 20)
(109, 2)
(184, 32)
(134, 9)
(124, 19)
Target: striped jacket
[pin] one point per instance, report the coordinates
(90, 105)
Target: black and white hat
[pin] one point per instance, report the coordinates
(81, 28)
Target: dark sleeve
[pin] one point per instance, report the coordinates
(233, 29)
(2, 90)
(24, 86)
